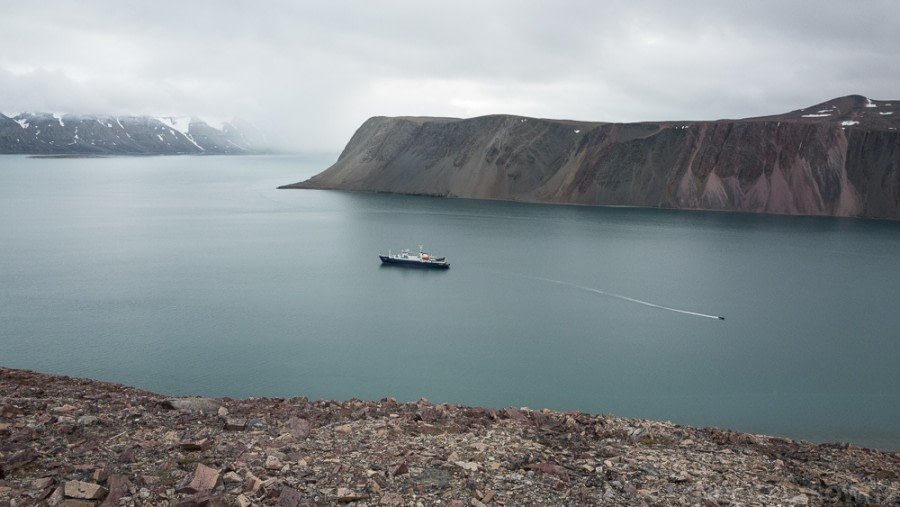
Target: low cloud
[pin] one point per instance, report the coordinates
(310, 74)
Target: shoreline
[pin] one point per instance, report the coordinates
(80, 442)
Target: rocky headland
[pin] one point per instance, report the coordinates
(81, 443)
(838, 158)
(97, 135)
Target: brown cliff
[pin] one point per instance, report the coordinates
(838, 158)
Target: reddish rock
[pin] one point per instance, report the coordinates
(289, 497)
(74, 502)
(235, 424)
(516, 414)
(391, 499)
(205, 479)
(196, 445)
(100, 475)
(119, 486)
(298, 427)
(84, 490)
(18, 460)
(549, 468)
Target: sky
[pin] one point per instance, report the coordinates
(309, 73)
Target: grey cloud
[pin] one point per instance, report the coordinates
(315, 71)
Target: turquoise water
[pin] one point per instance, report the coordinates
(194, 275)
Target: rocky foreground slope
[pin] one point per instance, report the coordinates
(70, 134)
(838, 158)
(82, 443)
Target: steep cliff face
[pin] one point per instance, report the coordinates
(839, 158)
(54, 134)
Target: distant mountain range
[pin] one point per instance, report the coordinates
(72, 134)
(841, 158)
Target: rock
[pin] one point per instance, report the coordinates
(549, 468)
(204, 479)
(87, 420)
(432, 478)
(478, 456)
(235, 424)
(74, 502)
(197, 445)
(344, 428)
(470, 466)
(231, 478)
(273, 463)
(119, 487)
(299, 427)
(85, 490)
(679, 478)
(289, 497)
(100, 475)
(391, 499)
(346, 495)
(42, 483)
(18, 460)
(798, 500)
(193, 404)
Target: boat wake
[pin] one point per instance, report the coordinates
(625, 298)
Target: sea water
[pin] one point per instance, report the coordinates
(195, 275)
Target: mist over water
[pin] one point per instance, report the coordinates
(194, 275)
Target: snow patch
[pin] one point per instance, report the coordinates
(849, 123)
(816, 115)
(160, 138)
(58, 117)
(577, 131)
(23, 123)
(885, 113)
(869, 103)
(181, 124)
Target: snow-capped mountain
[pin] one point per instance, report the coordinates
(51, 133)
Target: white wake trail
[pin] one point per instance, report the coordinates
(626, 298)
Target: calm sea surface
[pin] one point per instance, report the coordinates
(194, 275)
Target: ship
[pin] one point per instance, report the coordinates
(411, 260)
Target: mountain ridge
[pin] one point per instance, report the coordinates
(837, 158)
(86, 134)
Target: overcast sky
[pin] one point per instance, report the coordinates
(314, 71)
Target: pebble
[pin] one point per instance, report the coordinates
(144, 449)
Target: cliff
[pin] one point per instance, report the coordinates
(77, 442)
(70, 134)
(838, 158)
